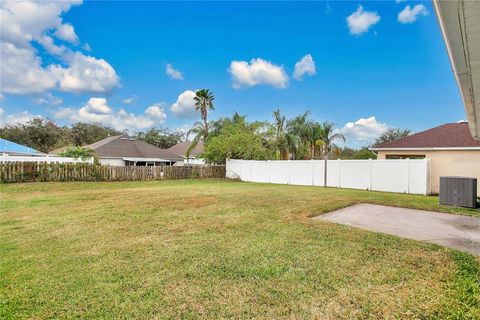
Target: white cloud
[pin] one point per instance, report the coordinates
(184, 107)
(97, 110)
(22, 72)
(305, 66)
(49, 99)
(97, 106)
(409, 15)
(130, 100)
(86, 74)
(87, 47)
(363, 131)
(15, 118)
(66, 32)
(360, 21)
(257, 72)
(173, 73)
(157, 112)
(49, 44)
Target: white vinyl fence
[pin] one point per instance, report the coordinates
(46, 159)
(405, 176)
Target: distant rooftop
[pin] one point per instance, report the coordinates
(449, 135)
(182, 147)
(10, 147)
(124, 146)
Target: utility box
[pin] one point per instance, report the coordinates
(458, 191)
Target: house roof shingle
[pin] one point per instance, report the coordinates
(182, 147)
(124, 146)
(449, 135)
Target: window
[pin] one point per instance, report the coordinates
(405, 156)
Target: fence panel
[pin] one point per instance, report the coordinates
(42, 171)
(301, 172)
(333, 173)
(407, 176)
(355, 174)
(234, 169)
(260, 170)
(390, 175)
(245, 171)
(279, 172)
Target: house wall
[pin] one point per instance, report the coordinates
(196, 161)
(190, 161)
(112, 162)
(446, 163)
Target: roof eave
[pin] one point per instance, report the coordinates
(426, 149)
(450, 18)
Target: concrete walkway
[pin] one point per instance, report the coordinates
(453, 231)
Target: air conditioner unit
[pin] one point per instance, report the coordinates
(458, 191)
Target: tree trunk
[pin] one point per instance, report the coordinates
(205, 124)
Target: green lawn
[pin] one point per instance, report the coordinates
(212, 249)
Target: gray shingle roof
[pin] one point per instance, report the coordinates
(450, 135)
(124, 146)
(182, 147)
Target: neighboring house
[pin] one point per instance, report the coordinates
(452, 150)
(123, 150)
(181, 150)
(14, 149)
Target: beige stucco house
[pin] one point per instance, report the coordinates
(451, 148)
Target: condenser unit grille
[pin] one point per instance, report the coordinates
(458, 191)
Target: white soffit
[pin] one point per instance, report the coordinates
(460, 24)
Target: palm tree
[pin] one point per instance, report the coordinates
(315, 139)
(299, 129)
(280, 132)
(203, 103)
(200, 132)
(328, 137)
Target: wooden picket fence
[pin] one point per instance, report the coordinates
(35, 172)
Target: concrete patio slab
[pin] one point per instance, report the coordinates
(453, 231)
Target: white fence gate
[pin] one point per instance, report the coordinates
(405, 176)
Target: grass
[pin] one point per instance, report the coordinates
(203, 249)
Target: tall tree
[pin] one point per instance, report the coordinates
(328, 137)
(204, 103)
(300, 130)
(199, 132)
(161, 137)
(84, 133)
(237, 139)
(280, 134)
(315, 139)
(391, 135)
(39, 134)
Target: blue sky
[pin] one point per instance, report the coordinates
(107, 62)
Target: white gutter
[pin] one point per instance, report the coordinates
(458, 22)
